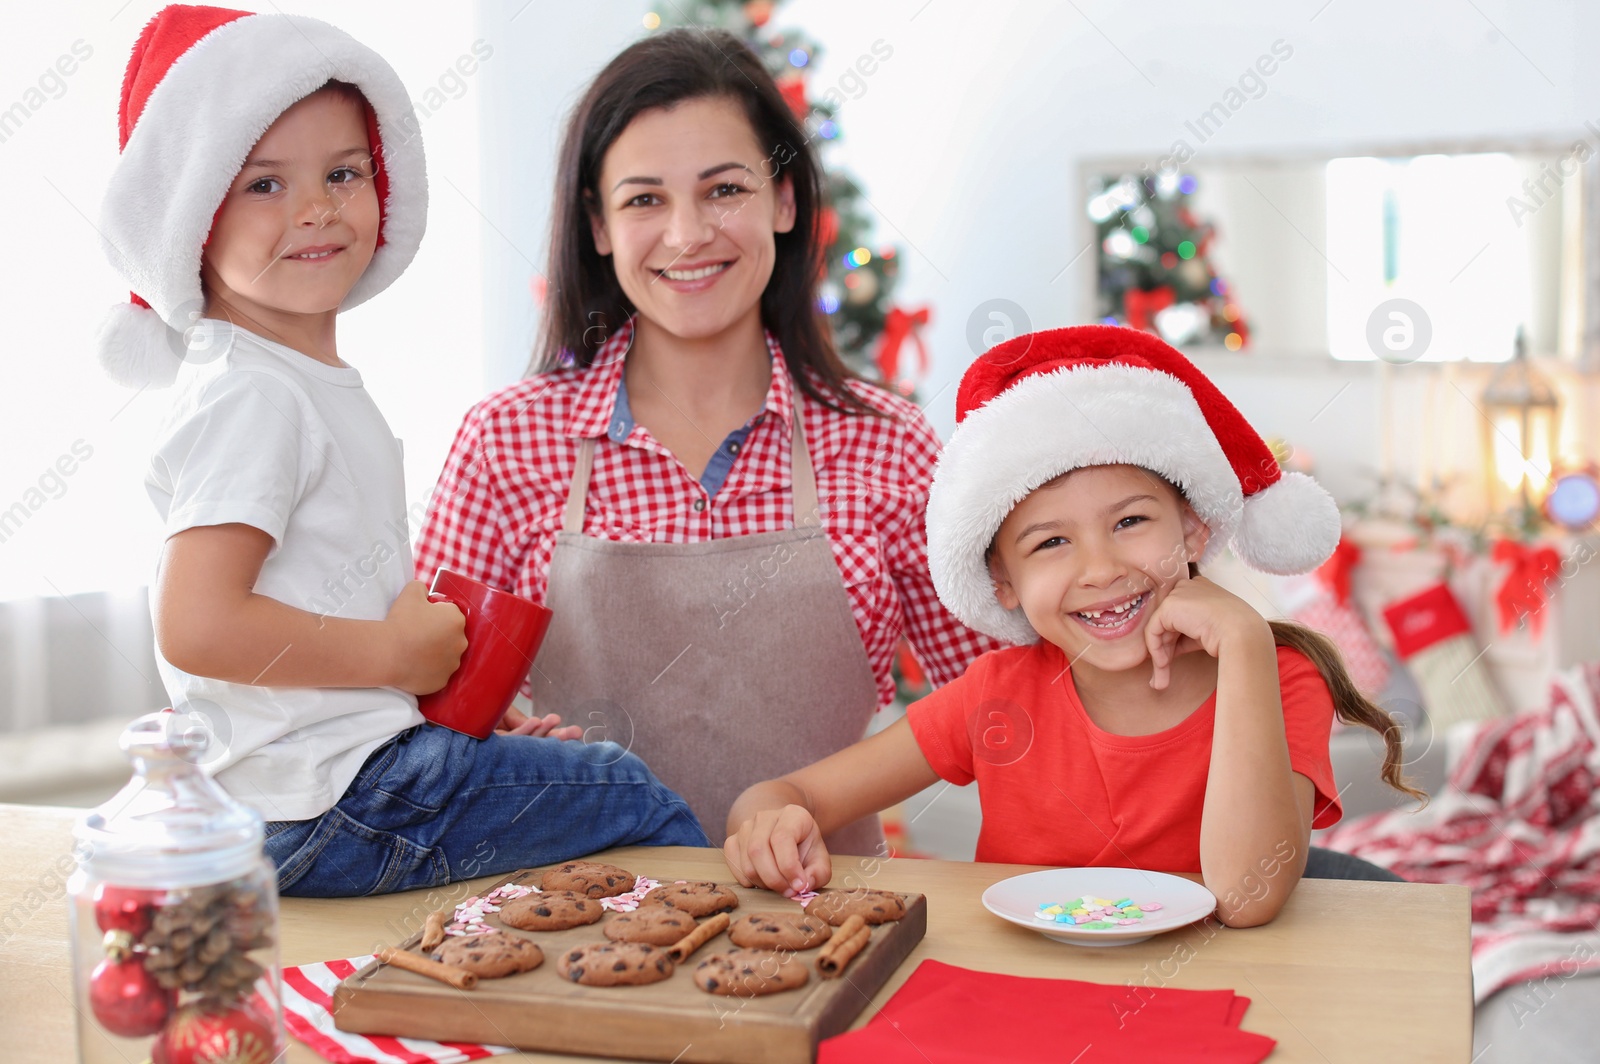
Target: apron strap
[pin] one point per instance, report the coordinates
(572, 521)
(803, 477)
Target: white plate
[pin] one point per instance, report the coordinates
(1018, 900)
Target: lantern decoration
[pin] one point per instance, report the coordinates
(1521, 433)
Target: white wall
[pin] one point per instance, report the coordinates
(969, 139)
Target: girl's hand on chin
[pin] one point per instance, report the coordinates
(1197, 614)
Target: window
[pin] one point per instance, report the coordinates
(1435, 230)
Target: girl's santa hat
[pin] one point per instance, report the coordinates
(1046, 403)
(202, 86)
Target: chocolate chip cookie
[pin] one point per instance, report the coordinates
(554, 910)
(750, 973)
(589, 878)
(789, 931)
(614, 964)
(658, 925)
(696, 899)
(873, 906)
(491, 956)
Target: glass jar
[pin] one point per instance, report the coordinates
(174, 914)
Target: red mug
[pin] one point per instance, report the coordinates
(503, 636)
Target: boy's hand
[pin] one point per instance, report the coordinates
(517, 723)
(1197, 614)
(428, 639)
(780, 849)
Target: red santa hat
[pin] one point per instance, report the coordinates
(1046, 403)
(202, 86)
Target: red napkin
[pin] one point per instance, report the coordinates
(949, 1014)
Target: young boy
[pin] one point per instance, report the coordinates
(270, 177)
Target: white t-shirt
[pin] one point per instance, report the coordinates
(265, 436)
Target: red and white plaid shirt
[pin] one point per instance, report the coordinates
(498, 505)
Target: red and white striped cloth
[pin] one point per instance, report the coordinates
(307, 1012)
(1519, 823)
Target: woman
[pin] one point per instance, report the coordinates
(726, 523)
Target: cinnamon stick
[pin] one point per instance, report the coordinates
(433, 930)
(445, 973)
(703, 933)
(841, 949)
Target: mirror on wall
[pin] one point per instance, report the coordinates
(1444, 254)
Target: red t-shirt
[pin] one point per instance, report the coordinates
(1057, 790)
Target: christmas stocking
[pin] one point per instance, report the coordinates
(1434, 638)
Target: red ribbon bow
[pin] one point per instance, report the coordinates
(1528, 583)
(1140, 306)
(793, 91)
(898, 326)
(1335, 572)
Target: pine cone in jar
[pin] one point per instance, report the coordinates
(199, 942)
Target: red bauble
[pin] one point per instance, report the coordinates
(124, 909)
(793, 90)
(196, 1035)
(127, 1000)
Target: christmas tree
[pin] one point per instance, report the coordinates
(857, 289)
(1156, 272)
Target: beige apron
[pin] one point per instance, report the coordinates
(720, 663)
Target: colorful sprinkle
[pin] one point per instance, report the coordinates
(1090, 913)
(626, 903)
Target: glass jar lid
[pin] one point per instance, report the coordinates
(172, 825)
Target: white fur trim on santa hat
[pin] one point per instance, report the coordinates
(1051, 423)
(197, 128)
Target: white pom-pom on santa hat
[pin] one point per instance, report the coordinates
(136, 347)
(1046, 403)
(202, 85)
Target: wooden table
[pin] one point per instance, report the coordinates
(1347, 972)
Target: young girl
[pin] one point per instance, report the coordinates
(1153, 720)
(726, 524)
(270, 177)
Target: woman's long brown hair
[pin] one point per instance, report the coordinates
(584, 304)
(1349, 704)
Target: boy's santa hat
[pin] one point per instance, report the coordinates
(1046, 403)
(202, 86)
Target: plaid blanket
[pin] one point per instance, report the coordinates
(1518, 825)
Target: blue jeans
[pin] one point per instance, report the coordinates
(432, 806)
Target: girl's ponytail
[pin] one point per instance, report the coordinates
(1351, 706)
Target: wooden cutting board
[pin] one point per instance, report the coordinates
(673, 1020)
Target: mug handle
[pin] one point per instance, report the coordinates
(439, 596)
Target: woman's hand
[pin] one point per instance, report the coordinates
(547, 726)
(1197, 614)
(780, 849)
